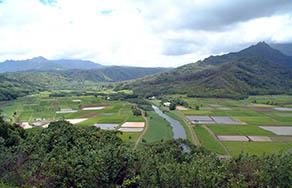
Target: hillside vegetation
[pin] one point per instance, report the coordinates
(43, 64)
(17, 84)
(69, 156)
(12, 88)
(258, 69)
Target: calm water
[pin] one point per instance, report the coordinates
(177, 128)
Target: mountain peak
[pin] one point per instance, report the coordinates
(39, 59)
(262, 49)
(262, 44)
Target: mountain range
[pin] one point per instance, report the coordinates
(19, 78)
(256, 70)
(285, 48)
(43, 64)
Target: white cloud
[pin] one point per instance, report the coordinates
(136, 32)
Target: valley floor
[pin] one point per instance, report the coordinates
(257, 125)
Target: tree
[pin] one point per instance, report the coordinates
(172, 106)
(136, 112)
(12, 134)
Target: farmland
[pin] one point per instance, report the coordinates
(159, 129)
(244, 118)
(216, 118)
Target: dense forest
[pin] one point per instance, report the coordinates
(16, 84)
(12, 88)
(257, 70)
(68, 156)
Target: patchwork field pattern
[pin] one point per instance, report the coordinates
(218, 124)
(257, 125)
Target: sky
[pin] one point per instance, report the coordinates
(147, 33)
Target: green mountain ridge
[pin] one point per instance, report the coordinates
(12, 88)
(256, 70)
(21, 83)
(42, 64)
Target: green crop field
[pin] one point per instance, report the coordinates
(129, 137)
(197, 112)
(254, 111)
(270, 98)
(257, 148)
(238, 130)
(208, 141)
(159, 129)
(104, 119)
(225, 129)
(262, 120)
(253, 130)
(135, 119)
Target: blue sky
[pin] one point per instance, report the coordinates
(48, 1)
(139, 32)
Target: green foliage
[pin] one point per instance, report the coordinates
(12, 134)
(235, 75)
(67, 156)
(78, 79)
(136, 111)
(172, 106)
(11, 88)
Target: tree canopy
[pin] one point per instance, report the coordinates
(64, 155)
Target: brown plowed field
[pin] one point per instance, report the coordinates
(90, 115)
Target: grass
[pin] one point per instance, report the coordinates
(238, 130)
(253, 130)
(257, 148)
(208, 141)
(224, 129)
(261, 120)
(243, 113)
(135, 119)
(76, 115)
(271, 98)
(129, 137)
(159, 129)
(103, 119)
(197, 112)
(156, 102)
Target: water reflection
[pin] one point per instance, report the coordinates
(177, 128)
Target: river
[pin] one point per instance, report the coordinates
(177, 128)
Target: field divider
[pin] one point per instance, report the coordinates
(144, 131)
(193, 133)
(215, 137)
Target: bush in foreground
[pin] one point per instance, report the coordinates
(67, 156)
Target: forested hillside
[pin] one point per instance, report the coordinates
(258, 69)
(43, 64)
(74, 78)
(16, 84)
(13, 88)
